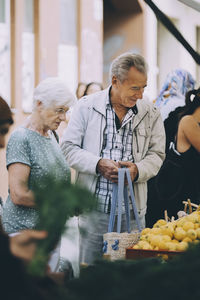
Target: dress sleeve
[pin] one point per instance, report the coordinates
(18, 149)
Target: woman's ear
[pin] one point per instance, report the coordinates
(39, 105)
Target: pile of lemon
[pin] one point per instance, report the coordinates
(171, 236)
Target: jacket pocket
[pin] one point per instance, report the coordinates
(141, 137)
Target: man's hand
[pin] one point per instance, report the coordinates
(131, 166)
(23, 245)
(108, 169)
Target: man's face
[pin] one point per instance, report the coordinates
(131, 89)
(3, 131)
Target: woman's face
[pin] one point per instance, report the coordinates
(4, 128)
(53, 116)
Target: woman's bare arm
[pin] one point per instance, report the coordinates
(18, 175)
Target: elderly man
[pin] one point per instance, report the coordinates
(111, 129)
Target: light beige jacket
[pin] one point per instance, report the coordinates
(83, 138)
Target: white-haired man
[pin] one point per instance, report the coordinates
(108, 130)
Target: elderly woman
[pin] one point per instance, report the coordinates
(33, 152)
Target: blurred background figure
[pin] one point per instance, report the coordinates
(171, 99)
(92, 87)
(80, 90)
(174, 89)
(5, 121)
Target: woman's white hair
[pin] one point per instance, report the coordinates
(52, 91)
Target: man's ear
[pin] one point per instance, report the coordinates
(39, 105)
(114, 81)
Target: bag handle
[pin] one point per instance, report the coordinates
(133, 199)
(120, 192)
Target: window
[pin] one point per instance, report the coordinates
(28, 72)
(5, 49)
(67, 49)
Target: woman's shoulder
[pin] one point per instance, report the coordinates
(19, 133)
(187, 120)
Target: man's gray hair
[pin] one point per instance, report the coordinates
(52, 91)
(122, 64)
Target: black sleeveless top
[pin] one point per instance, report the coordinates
(190, 163)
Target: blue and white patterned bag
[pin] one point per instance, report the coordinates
(115, 243)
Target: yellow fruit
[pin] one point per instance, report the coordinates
(136, 247)
(145, 231)
(159, 223)
(171, 246)
(155, 240)
(182, 246)
(144, 237)
(194, 218)
(142, 244)
(196, 225)
(175, 241)
(179, 233)
(167, 231)
(156, 230)
(162, 245)
(187, 240)
(192, 234)
(188, 225)
(147, 247)
(198, 233)
(181, 221)
(196, 241)
(166, 238)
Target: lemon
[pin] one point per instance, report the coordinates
(198, 233)
(166, 238)
(142, 244)
(192, 234)
(194, 218)
(188, 225)
(187, 240)
(179, 233)
(155, 240)
(182, 246)
(159, 223)
(171, 246)
(147, 247)
(175, 241)
(181, 221)
(162, 245)
(136, 247)
(196, 225)
(156, 230)
(167, 231)
(145, 231)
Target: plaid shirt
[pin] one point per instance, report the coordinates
(117, 145)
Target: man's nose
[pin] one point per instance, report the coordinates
(140, 93)
(63, 117)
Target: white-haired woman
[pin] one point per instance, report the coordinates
(33, 152)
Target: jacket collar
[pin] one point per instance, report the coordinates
(102, 97)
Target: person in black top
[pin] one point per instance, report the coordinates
(178, 178)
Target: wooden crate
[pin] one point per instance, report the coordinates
(140, 253)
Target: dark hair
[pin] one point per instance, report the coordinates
(91, 83)
(192, 102)
(5, 112)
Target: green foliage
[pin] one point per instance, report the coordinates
(140, 279)
(56, 202)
